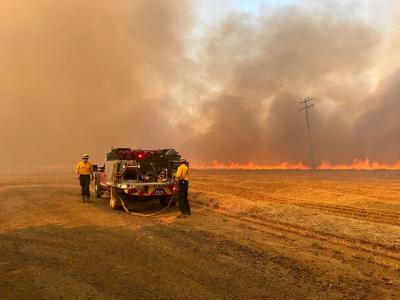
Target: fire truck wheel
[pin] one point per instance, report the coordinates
(165, 200)
(97, 187)
(115, 203)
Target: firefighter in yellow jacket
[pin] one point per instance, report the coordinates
(84, 172)
(182, 176)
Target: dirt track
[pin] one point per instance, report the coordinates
(252, 235)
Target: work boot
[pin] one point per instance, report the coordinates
(83, 199)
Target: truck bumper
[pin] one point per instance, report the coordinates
(150, 189)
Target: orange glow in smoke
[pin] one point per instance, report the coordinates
(357, 164)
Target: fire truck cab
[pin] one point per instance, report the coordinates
(135, 174)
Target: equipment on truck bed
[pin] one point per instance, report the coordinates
(135, 174)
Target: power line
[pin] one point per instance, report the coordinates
(307, 105)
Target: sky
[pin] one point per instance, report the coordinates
(217, 80)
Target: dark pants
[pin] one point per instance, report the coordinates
(85, 181)
(184, 206)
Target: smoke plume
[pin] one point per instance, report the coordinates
(82, 76)
(260, 69)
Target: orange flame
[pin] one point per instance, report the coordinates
(360, 164)
(357, 164)
(251, 166)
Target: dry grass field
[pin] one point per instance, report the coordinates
(342, 225)
(253, 235)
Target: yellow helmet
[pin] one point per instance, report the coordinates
(85, 155)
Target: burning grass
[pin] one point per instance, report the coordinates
(357, 164)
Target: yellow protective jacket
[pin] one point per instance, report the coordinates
(83, 168)
(182, 173)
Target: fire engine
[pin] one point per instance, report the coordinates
(135, 174)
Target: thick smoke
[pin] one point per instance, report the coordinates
(82, 76)
(260, 70)
(377, 132)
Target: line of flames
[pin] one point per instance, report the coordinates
(357, 164)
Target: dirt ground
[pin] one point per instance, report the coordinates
(253, 235)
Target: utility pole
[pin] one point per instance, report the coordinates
(307, 105)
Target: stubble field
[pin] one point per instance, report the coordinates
(253, 235)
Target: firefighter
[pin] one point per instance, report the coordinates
(84, 172)
(182, 176)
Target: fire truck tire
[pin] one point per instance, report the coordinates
(164, 201)
(115, 202)
(97, 187)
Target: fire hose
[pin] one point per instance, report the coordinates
(145, 215)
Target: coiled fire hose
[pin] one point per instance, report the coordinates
(145, 215)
